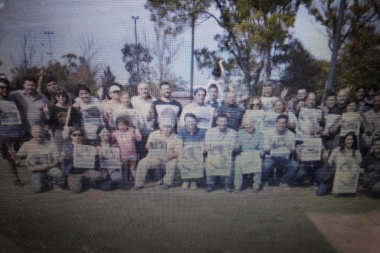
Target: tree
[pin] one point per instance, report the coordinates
(108, 79)
(302, 70)
(136, 59)
(253, 31)
(353, 17)
(164, 50)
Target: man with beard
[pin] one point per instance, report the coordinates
(233, 112)
(31, 104)
(165, 107)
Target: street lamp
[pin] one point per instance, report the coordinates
(135, 18)
(48, 33)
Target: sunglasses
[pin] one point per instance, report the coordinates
(76, 135)
(255, 104)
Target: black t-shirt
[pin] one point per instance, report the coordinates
(371, 165)
(172, 109)
(58, 116)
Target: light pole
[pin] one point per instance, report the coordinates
(48, 33)
(135, 18)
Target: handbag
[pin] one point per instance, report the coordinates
(66, 128)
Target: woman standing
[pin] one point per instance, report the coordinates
(61, 115)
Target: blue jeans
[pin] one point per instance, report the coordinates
(228, 180)
(38, 178)
(290, 167)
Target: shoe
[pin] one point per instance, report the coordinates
(228, 188)
(210, 188)
(136, 188)
(193, 185)
(17, 182)
(237, 190)
(185, 185)
(284, 186)
(256, 188)
(165, 187)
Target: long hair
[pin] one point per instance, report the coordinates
(354, 144)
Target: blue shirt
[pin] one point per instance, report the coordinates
(250, 142)
(197, 136)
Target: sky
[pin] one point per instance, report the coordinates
(109, 23)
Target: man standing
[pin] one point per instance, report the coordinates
(233, 112)
(165, 107)
(11, 133)
(42, 159)
(142, 103)
(214, 100)
(280, 146)
(216, 137)
(203, 112)
(162, 146)
(31, 104)
(112, 105)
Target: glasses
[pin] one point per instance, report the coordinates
(255, 104)
(76, 135)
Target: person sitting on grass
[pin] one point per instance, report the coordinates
(371, 166)
(42, 159)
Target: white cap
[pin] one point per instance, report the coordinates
(114, 88)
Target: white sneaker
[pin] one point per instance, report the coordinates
(185, 185)
(193, 185)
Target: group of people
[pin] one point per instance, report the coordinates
(70, 140)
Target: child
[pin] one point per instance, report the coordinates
(125, 138)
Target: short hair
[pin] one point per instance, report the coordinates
(198, 90)
(282, 116)
(191, 115)
(29, 78)
(213, 86)
(359, 88)
(77, 129)
(4, 80)
(143, 84)
(375, 140)
(222, 115)
(165, 83)
(51, 78)
(82, 87)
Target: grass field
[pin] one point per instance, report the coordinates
(153, 220)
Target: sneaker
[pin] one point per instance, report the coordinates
(17, 182)
(228, 188)
(256, 188)
(165, 187)
(210, 188)
(237, 190)
(193, 186)
(136, 188)
(185, 185)
(284, 186)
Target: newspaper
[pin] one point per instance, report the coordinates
(346, 176)
(84, 156)
(307, 122)
(39, 159)
(280, 149)
(330, 120)
(311, 149)
(9, 114)
(190, 161)
(205, 117)
(350, 123)
(219, 161)
(158, 149)
(109, 158)
(250, 161)
(269, 123)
